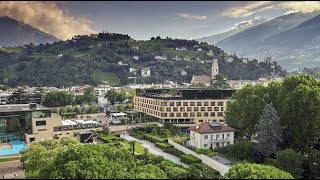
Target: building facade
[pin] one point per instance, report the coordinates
(183, 106)
(211, 135)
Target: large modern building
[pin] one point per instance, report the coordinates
(183, 106)
(34, 122)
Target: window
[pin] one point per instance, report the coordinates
(217, 136)
(201, 120)
(216, 108)
(228, 135)
(41, 123)
(182, 109)
(175, 109)
(221, 108)
(60, 134)
(189, 109)
(192, 114)
(221, 120)
(213, 114)
(164, 114)
(220, 114)
(205, 145)
(185, 103)
(192, 103)
(205, 136)
(42, 129)
(164, 104)
(171, 103)
(198, 114)
(203, 109)
(205, 114)
(218, 145)
(67, 133)
(220, 103)
(209, 108)
(178, 114)
(178, 103)
(171, 115)
(199, 103)
(206, 104)
(168, 109)
(195, 109)
(185, 114)
(212, 103)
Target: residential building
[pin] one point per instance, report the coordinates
(136, 57)
(34, 122)
(145, 72)
(168, 84)
(115, 118)
(101, 89)
(206, 80)
(4, 97)
(211, 135)
(183, 106)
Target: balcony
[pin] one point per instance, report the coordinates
(220, 140)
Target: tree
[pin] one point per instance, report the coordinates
(241, 150)
(313, 162)
(19, 97)
(58, 99)
(269, 131)
(221, 82)
(132, 146)
(256, 171)
(290, 161)
(201, 171)
(88, 95)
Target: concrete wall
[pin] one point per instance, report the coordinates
(205, 159)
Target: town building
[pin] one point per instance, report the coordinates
(201, 79)
(211, 135)
(183, 106)
(136, 57)
(101, 89)
(145, 72)
(34, 122)
(4, 97)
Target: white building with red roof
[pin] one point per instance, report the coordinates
(211, 135)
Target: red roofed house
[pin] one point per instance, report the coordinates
(211, 135)
(201, 79)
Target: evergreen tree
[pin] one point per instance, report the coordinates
(269, 131)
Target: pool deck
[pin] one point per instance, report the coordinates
(5, 146)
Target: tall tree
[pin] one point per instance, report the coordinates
(290, 161)
(269, 131)
(221, 82)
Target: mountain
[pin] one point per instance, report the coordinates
(251, 40)
(304, 34)
(117, 58)
(15, 33)
(239, 27)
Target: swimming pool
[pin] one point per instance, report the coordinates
(17, 146)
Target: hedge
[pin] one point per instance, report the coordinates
(154, 139)
(173, 151)
(189, 159)
(163, 145)
(137, 135)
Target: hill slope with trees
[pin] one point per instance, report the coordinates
(92, 59)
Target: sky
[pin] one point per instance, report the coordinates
(145, 19)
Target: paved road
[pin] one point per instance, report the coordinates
(154, 150)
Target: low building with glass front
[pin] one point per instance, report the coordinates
(183, 107)
(34, 122)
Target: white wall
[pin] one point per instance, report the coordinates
(198, 140)
(205, 159)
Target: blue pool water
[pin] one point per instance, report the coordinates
(17, 146)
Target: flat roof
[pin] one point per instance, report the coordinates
(118, 114)
(21, 108)
(68, 122)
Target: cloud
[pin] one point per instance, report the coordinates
(47, 17)
(189, 16)
(303, 6)
(291, 7)
(246, 10)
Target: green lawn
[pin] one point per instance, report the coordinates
(138, 149)
(111, 78)
(109, 136)
(9, 159)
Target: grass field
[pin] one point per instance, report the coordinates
(10, 49)
(138, 148)
(9, 159)
(111, 78)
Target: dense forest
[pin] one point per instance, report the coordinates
(95, 58)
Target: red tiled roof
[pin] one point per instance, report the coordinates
(205, 128)
(202, 79)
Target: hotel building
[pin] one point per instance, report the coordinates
(184, 107)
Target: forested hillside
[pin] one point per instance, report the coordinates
(92, 59)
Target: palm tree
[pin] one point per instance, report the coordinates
(132, 145)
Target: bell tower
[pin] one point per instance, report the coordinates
(214, 69)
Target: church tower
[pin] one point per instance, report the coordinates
(214, 69)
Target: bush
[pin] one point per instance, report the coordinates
(137, 135)
(202, 171)
(189, 159)
(207, 152)
(241, 150)
(174, 151)
(256, 171)
(290, 161)
(154, 139)
(270, 162)
(163, 145)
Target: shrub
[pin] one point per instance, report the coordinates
(241, 150)
(270, 162)
(207, 152)
(202, 171)
(173, 151)
(256, 171)
(189, 159)
(137, 135)
(163, 145)
(154, 139)
(290, 161)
